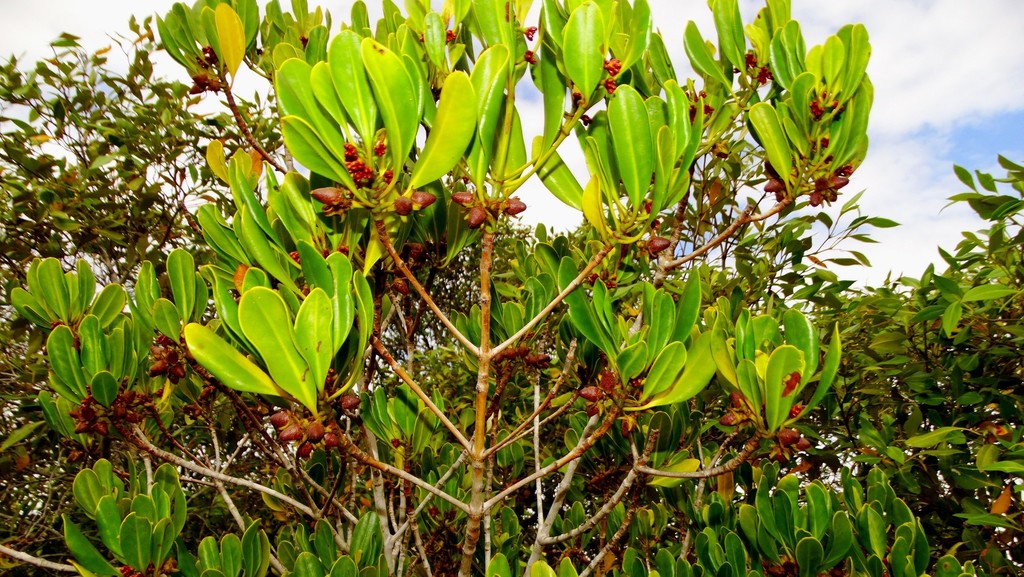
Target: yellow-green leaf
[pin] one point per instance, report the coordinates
(454, 125)
(226, 363)
(231, 35)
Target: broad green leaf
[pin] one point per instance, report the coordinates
(988, 292)
(84, 551)
(226, 363)
(558, 178)
(665, 370)
(351, 83)
(166, 319)
(783, 362)
(265, 320)
(766, 124)
(683, 466)
(231, 38)
(181, 275)
(633, 142)
(136, 536)
(395, 94)
(700, 368)
(65, 363)
(451, 133)
(700, 56)
(109, 304)
(305, 145)
(313, 335)
(489, 78)
(255, 551)
(583, 39)
(828, 371)
(53, 289)
(932, 438)
(104, 388)
(809, 554)
(731, 41)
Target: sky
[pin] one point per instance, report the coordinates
(948, 90)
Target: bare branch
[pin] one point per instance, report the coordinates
(38, 562)
(715, 471)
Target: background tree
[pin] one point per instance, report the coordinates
(597, 404)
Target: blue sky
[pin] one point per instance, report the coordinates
(948, 89)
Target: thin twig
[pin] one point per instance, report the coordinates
(729, 466)
(378, 345)
(748, 216)
(240, 122)
(37, 561)
(608, 546)
(385, 239)
(596, 260)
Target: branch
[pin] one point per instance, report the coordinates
(352, 449)
(37, 561)
(722, 469)
(596, 260)
(385, 239)
(426, 500)
(614, 500)
(237, 114)
(748, 216)
(608, 546)
(524, 427)
(140, 440)
(582, 447)
(397, 368)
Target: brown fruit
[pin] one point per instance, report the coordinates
(305, 450)
(401, 286)
(315, 431)
(477, 216)
(349, 402)
(290, 433)
(840, 182)
(774, 185)
(328, 195)
(280, 419)
(728, 419)
(100, 428)
(658, 244)
(422, 199)
(803, 444)
(736, 398)
(331, 440)
(462, 198)
(789, 436)
(515, 206)
(591, 393)
(403, 206)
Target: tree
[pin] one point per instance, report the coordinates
(595, 406)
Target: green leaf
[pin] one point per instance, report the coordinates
(700, 56)
(53, 288)
(313, 335)
(104, 388)
(665, 370)
(265, 320)
(452, 131)
(166, 319)
(633, 143)
(933, 438)
(489, 78)
(19, 435)
(307, 565)
(809, 554)
(255, 551)
(305, 145)
(558, 178)
(583, 39)
(828, 371)
(226, 363)
(84, 551)
(352, 84)
(783, 361)
(64, 361)
(765, 121)
(498, 567)
(181, 275)
(109, 304)
(700, 368)
(988, 292)
(231, 38)
(730, 31)
(395, 94)
(951, 318)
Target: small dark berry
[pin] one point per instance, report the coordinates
(403, 206)
(290, 433)
(477, 216)
(515, 206)
(305, 450)
(658, 244)
(280, 419)
(462, 198)
(350, 402)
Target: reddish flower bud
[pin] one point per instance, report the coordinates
(331, 440)
(774, 185)
(515, 206)
(591, 393)
(789, 437)
(280, 419)
(290, 433)
(328, 195)
(401, 286)
(305, 450)
(736, 398)
(802, 444)
(840, 182)
(462, 198)
(422, 199)
(658, 244)
(477, 216)
(403, 206)
(100, 428)
(728, 419)
(315, 431)
(350, 402)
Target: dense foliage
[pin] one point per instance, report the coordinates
(365, 366)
